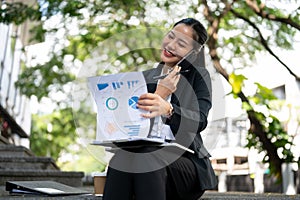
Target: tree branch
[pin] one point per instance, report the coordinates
(260, 12)
(213, 34)
(264, 42)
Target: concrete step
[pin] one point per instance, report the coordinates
(27, 163)
(17, 163)
(10, 150)
(3, 140)
(73, 179)
(208, 195)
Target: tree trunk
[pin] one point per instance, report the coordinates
(256, 127)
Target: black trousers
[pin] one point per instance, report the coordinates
(177, 181)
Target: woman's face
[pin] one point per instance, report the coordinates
(176, 44)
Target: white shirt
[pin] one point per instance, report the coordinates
(161, 130)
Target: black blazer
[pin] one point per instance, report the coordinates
(191, 102)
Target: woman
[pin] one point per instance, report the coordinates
(178, 107)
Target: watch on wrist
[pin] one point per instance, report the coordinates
(170, 112)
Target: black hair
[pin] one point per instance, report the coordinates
(199, 30)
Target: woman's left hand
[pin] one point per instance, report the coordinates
(153, 103)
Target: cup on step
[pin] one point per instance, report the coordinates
(99, 183)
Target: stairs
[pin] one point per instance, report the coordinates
(18, 163)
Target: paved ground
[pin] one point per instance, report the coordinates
(209, 195)
(247, 196)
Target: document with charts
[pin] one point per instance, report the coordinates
(116, 97)
(119, 121)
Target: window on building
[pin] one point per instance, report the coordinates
(279, 92)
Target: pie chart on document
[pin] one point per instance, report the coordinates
(132, 102)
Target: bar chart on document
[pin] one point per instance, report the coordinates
(116, 98)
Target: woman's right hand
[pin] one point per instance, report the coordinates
(153, 103)
(168, 85)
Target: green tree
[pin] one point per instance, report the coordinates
(269, 134)
(51, 133)
(249, 19)
(239, 28)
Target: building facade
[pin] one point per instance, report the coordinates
(15, 115)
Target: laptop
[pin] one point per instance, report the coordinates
(47, 188)
(129, 142)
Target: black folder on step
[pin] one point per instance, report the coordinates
(48, 188)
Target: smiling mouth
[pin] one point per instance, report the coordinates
(169, 53)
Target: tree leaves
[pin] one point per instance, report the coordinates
(18, 13)
(262, 105)
(237, 82)
(41, 79)
(52, 133)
